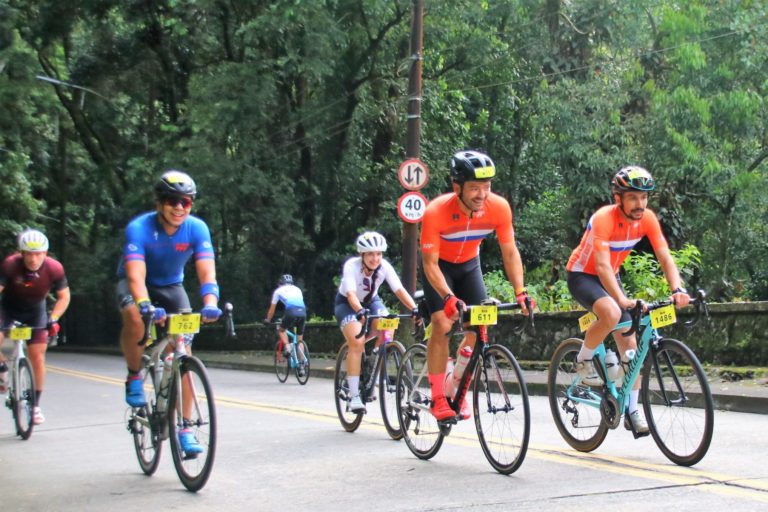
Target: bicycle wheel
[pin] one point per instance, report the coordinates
(146, 439)
(575, 408)
(302, 368)
(420, 430)
(502, 412)
(282, 363)
(23, 407)
(677, 402)
(349, 420)
(388, 388)
(191, 406)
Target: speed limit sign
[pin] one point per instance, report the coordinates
(411, 206)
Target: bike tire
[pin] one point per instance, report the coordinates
(420, 429)
(193, 471)
(580, 424)
(677, 402)
(501, 409)
(146, 436)
(282, 363)
(303, 362)
(349, 420)
(389, 365)
(23, 401)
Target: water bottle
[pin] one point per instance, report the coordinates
(461, 364)
(448, 388)
(612, 365)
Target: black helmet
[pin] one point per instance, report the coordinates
(175, 183)
(285, 279)
(472, 166)
(634, 178)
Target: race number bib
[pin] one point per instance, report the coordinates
(483, 315)
(388, 324)
(663, 316)
(21, 333)
(585, 321)
(184, 324)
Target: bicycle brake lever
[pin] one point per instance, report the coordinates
(636, 312)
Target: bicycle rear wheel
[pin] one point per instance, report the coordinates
(420, 429)
(677, 402)
(579, 423)
(502, 412)
(282, 363)
(146, 436)
(302, 368)
(349, 420)
(23, 406)
(390, 363)
(191, 406)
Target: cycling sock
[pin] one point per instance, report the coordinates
(633, 396)
(38, 392)
(354, 385)
(585, 353)
(436, 382)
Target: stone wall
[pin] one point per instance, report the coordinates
(736, 334)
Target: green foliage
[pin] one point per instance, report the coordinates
(549, 297)
(642, 276)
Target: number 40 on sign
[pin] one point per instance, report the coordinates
(411, 206)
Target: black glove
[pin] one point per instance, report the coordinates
(266, 321)
(361, 314)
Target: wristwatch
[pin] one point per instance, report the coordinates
(680, 289)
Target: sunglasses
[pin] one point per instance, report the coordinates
(185, 202)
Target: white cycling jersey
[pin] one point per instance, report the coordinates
(353, 278)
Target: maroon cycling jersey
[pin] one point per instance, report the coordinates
(23, 289)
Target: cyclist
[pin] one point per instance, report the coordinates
(295, 314)
(452, 229)
(26, 279)
(151, 272)
(358, 296)
(593, 272)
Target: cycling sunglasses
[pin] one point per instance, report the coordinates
(185, 202)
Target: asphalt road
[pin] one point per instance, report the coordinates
(281, 448)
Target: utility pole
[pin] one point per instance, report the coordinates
(412, 147)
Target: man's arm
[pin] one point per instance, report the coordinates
(62, 303)
(513, 267)
(136, 274)
(206, 273)
(434, 274)
(672, 275)
(270, 312)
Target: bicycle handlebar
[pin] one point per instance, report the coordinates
(698, 301)
(458, 327)
(366, 327)
(226, 315)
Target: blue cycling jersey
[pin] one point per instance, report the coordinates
(165, 255)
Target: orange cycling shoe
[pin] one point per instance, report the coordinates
(440, 408)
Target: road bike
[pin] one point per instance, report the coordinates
(674, 391)
(378, 368)
(297, 358)
(180, 397)
(500, 397)
(21, 385)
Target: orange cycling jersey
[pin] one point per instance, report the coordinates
(610, 230)
(447, 230)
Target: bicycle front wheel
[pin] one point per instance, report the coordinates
(502, 412)
(677, 402)
(23, 401)
(302, 368)
(390, 363)
(575, 407)
(341, 393)
(282, 362)
(419, 427)
(146, 436)
(191, 411)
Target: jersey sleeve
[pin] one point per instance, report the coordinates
(348, 282)
(59, 278)
(601, 230)
(653, 231)
(133, 250)
(276, 296)
(202, 241)
(393, 280)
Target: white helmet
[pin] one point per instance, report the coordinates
(32, 240)
(371, 241)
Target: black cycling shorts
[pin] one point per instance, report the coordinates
(173, 298)
(465, 279)
(294, 318)
(587, 289)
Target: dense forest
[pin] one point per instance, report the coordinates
(291, 116)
